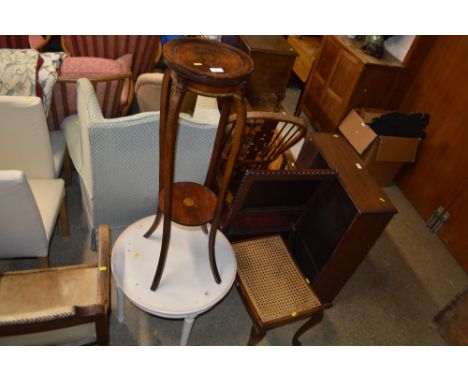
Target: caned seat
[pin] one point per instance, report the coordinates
(270, 205)
(274, 290)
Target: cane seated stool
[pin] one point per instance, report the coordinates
(273, 289)
(210, 69)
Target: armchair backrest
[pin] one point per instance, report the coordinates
(24, 137)
(144, 49)
(120, 160)
(22, 233)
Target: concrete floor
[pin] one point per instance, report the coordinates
(407, 277)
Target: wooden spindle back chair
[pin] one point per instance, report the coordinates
(267, 136)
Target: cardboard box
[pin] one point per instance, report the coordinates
(382, 155)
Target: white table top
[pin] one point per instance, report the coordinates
(187, 286)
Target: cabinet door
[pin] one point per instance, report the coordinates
(441, 170)
(319, 78)
(338, 91)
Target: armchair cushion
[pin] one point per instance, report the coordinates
(18, 72)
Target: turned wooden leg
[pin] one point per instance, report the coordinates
(241, 112)
(314, 320)
(165, 96)
(169, 144)
(256, 335)
(67, 170)
(63, 218)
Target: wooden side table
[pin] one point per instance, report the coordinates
(211, 69)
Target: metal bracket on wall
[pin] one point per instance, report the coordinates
(440, 222)
(434, 217)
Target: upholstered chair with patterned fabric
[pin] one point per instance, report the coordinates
(118, 159)
(146, 50)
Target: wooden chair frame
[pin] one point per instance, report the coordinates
(98, 313)
(116, 110)
(278, 132)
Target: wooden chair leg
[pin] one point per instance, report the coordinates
(314, 320)
(256, 335)
(102, 330)
(63, 218)
(43, 262)
(67, 170)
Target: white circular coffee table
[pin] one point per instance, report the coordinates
(187, 287)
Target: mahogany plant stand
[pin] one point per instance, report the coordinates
(210, 69)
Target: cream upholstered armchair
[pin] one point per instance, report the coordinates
(118, 159)
(28, 212)
(26, 143)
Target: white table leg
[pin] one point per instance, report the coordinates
(120, 305)
(186, 329)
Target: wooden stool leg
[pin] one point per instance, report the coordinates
(102, 330)
(314, 320)
(63, 218)
(241, 112)
(256, 335)
(169, 144)
(165, 96)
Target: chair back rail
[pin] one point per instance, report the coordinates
(266, 137)
(109, 91)
(145, 49)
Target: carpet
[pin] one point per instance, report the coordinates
(452, 321)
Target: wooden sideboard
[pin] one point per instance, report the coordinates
(344, 77)
(344, 222)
